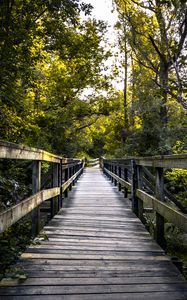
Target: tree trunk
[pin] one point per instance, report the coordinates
(163, 78)
(126, 125)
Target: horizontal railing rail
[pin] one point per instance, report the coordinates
(147, 191)
(65, 171)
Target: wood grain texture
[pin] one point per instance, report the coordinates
(96, 250)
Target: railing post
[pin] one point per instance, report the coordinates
(159, 193)
(106, 166)
(55, 183)
(101, 163)
(159, 184)
(66, 177)
(60, 185)
(115, 172)
(119, 174)
(140, 202)
(74, 171)
(112, 170)
(134, 187)
(79, 166)
(36, 186)
(70, 174)
(126, 179)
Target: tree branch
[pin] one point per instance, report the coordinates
(151, 67)
(177, 96)
(156, 49)
(182, 40)
(87, 125)
(143, 6)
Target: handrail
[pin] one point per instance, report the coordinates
(129, 173)
(14, 151)
(65, 172)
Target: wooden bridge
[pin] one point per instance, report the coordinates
(97, 247)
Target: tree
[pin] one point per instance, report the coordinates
(157, 36)
(48, 59)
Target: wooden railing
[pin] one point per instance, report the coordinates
(147, 190)
(65, 171)
(92, 162)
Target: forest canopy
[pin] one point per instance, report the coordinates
(57, 90)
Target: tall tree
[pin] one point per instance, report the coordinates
(162, 26)
(157, 36)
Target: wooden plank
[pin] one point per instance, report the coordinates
(113, 296)
(102, 246)
(98, 234)
(101, 273)
(96, 256)
(142, 250)
(93, 228)
(143, 266)
(94, 289)
(89, 281)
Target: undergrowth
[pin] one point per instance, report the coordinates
(12, 243)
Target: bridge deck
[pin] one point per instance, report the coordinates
(96, 249)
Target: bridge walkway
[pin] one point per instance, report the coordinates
(96, 249)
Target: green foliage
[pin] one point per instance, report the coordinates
(12, 243)
(177, 183)
(48, 58)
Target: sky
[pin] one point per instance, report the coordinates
(103, 10)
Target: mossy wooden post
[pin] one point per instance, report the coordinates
(140, 186)
(159, 193)
(36, 186)
(55, 183)
(119, 174)
(134, 187)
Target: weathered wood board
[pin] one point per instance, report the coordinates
(96, 250)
